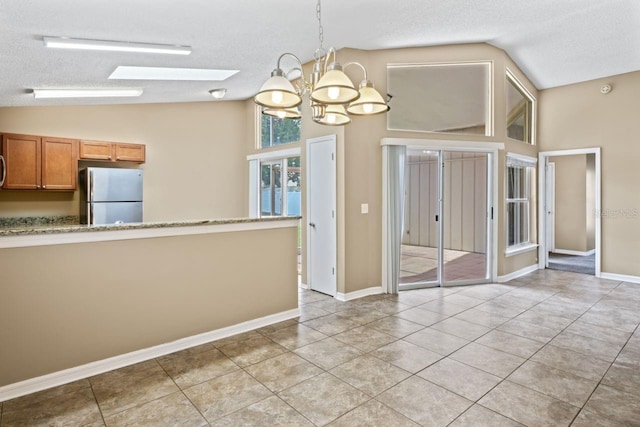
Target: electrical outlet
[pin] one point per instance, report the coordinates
(364, 208)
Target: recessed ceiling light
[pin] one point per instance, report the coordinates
(218, 93)
(162, 73)
(85, 93)
(115, 46)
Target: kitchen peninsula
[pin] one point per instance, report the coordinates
(78, 300)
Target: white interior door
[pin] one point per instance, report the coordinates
(321, 214)
(550, 204)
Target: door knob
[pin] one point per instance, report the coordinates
(312, 224)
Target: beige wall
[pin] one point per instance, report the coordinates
(360, 160)
(67, 305)
(195, 155)
(571, 202)
(364, 155)
(579, 116)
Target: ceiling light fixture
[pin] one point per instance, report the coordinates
(332, 95)
(164, 73)
(85, 93)
(218, 93)
(114, 46)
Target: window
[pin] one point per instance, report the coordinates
(271, 188)
(275, 131)
(519, 111)
(519, 180)
(275, 183)
(280, 196)
(450, 98)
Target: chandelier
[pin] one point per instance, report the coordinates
(332, 95)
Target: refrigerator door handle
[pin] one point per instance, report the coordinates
(91, 186)
(4, 170)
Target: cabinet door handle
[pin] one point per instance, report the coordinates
(4, 171)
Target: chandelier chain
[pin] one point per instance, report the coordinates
(320, 28)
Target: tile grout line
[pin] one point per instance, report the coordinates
(525, 361)
(607, 371)
(182, 391)
(549, 343)
(95, 398)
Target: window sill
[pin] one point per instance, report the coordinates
(515, 250)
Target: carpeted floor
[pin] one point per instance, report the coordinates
(575, 263)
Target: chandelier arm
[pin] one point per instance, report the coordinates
(330, 52)
(291, 55)
(364, 70)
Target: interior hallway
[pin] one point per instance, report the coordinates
(553, 348)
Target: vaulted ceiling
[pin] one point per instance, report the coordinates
(555, 42)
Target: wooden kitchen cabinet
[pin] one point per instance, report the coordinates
(40, 163)
(130, 152)
(112, 151)
(59, 163)
(96, 150)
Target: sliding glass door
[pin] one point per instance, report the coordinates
(445, 219)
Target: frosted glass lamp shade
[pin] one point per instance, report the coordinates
(369, 103)
(278, 92)
(283, 113)
(334, 115)
(334, 88)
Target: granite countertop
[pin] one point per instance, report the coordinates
(27, 228)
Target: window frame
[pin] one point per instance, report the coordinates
(258, 133)
(519, 162)
(255, 175)
(530, 116)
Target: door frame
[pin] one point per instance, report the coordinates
(491, 148)
(543, 160)
(332, 175)
(549, 201)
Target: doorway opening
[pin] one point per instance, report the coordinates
(446, 219)
(570, 191)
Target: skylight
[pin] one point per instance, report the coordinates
(162, 73)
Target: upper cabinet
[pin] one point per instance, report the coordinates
(96, 150)
(40, 163)
(130, 152)
(59, 163)
(112, 151)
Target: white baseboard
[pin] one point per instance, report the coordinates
(55, 379)
(303, 286)
(570, 252)
(518, 273)
(621, 277)
(359, 294)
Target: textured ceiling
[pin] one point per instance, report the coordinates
(555, 42)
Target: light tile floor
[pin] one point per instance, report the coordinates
(552, 348)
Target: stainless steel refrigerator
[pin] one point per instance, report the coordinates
(110, 196)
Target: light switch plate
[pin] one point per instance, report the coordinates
(364, 208)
